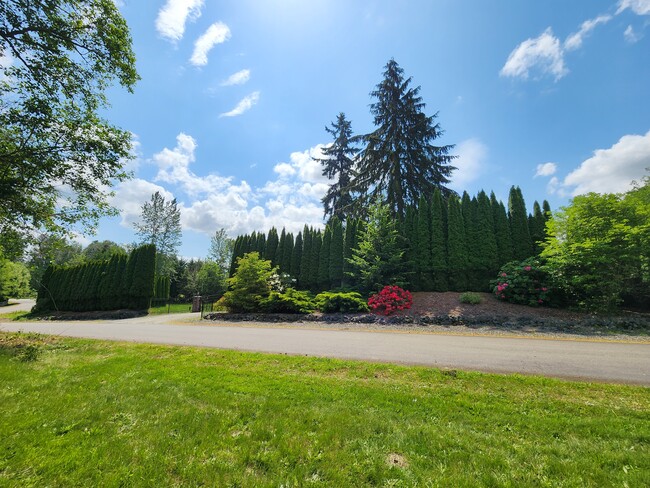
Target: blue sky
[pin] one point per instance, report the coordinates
(551, 96)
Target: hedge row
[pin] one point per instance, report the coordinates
(119, 283)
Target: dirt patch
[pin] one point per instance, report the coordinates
(396, 460)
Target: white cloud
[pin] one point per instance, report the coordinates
(574, 41)
(639, 7)
(173, 16)
(631, 35)
(546, 169)
(291, 200)
(612, 170)
(130, 195)
(542, 54)
(470, 163)
(244, 105)
(217, 33)
(238, 78)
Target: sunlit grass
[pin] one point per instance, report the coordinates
(96, 413)
(171, 308)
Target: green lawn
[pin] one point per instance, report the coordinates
(97, 413)
(172, 308)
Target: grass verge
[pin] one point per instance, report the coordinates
(171, 308)
(95, 413)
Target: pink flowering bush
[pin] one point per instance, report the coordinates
(389, 300)
(524, 283)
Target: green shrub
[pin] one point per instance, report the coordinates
(332, 302)
(470, 298)
(523, 282)
(249, 286)
(290, 301)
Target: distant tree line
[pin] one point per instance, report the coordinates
(120, 282)
(443, 244)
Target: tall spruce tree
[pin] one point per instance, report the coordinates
(438, 242)
(336, 254)
(400, 162)
(338, 166)
(522, 245)
(456, 245)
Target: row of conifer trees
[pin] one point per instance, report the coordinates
(450, 244)
(118, 283)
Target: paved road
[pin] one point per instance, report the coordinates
(582, 360)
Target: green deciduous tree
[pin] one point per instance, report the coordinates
(211, 279)
(599, 249)
(61, 56)
(14, 280)
(400, 163)
(221, 249)
(102, 251)
(160, 225)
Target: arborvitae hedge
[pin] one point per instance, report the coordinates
(454, 244)
(120, 282)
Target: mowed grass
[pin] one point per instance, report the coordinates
(171, 308)
(96, 413)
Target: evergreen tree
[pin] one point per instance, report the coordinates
(348, 246)
(285, 264)
(457, 248)
(296, 258)
(304, 280)
(324, 260)
(410, 230)
(501, 231)
(536, 224)
(438, 242)
(338, 166)
(336, 254)
(316, 244)
(400, 162)
(260, 244)
(377, 260)
(272, 244)
(546, 208)
(522, 245)
(423, 256)
(469, 211)
(278, 252)
(487, 244)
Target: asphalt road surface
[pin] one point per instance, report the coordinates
(581, 360)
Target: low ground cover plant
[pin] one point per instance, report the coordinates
(340, 302)
(470, 298)
(389, 300)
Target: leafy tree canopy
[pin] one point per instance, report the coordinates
(57, 154)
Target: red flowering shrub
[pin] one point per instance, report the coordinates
(523, 283)
(389, 300)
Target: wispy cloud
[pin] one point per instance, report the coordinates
(639, 7)
(470, 164)
(244, 105)
(574, 41)
(542, 54)
(217, 33)
(171, 19)
(238, 78)
(631, 35)
(546, 169)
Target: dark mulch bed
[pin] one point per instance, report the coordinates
(445, 309)
(96, 315)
